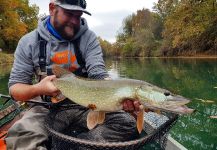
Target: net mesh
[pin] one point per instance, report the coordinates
(64, 135)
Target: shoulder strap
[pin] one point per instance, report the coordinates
(81, 71)
(42, 53)
(42, 62)
(78, 54)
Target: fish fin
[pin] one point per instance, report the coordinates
(59, 71)
(92, 119)
(146, 109)
(157, 111)
(140, 119)
(58, 98)
(54, 100)
(101, 117)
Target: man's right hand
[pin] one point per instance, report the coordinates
(24, 92)
(46, 87)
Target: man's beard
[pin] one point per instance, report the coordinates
(66, 31)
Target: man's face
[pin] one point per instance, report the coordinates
(66, 22)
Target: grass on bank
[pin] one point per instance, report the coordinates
(6, 58)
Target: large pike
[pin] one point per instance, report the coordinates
(107, 95)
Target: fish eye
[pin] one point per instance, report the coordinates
(138, 88)
(142, 87)
(167, 93)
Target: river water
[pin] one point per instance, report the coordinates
(195, 79)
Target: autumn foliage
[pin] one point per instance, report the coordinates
(16, 19)
(174, 28)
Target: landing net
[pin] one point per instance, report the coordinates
(156, 129)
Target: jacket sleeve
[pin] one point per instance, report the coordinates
(94, 58)
(22, 70)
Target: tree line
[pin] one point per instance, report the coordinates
(174, 28)
(17, 18)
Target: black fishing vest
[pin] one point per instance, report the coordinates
(81, 71)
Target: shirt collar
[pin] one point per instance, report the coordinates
(52, 30)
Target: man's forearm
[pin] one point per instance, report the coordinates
(24, 92)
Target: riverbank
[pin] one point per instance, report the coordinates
(6, 58)
(171, 57)
(9, 58)
(206, 56)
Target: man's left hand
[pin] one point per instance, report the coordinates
(132, 106)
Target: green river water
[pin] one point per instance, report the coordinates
(195, 79)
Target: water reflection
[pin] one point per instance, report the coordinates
(4, 75)
(192, 78)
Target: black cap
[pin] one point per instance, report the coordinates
(79, 5)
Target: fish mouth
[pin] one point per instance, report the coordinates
(174, 104)
(177, 104)
(182, 110)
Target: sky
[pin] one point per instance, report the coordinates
(107, 15)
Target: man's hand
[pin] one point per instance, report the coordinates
(132, 106)
(46, 87)
(24, 92)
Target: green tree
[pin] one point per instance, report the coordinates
(106, 47)
(141, 34)
(16, 19)
(185, 26)
(165, 7)
(28, 14)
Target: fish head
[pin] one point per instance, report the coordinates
(156, 98)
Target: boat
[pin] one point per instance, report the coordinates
(11, 111)
(172, 144)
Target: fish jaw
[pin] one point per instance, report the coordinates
(182, 110)
(163, 100)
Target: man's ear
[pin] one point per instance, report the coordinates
(52, 8)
